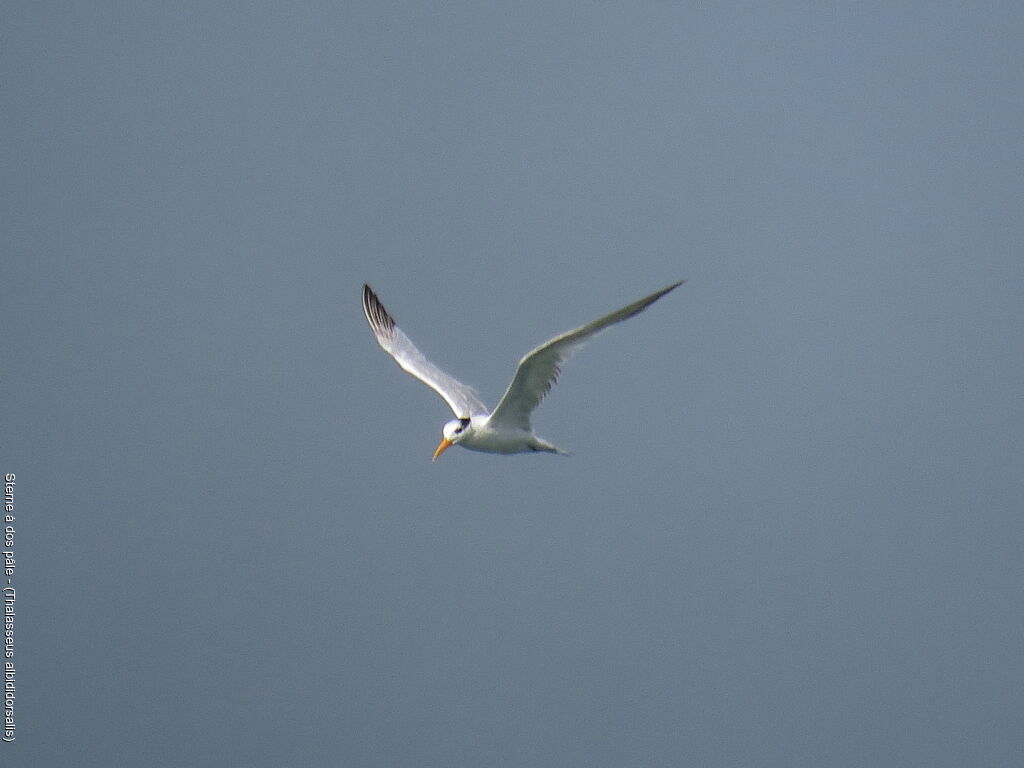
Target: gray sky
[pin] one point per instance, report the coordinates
(790, 533)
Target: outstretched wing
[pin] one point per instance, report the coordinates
(462, 398)
(539, 369)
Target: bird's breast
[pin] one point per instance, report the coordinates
(483, 437)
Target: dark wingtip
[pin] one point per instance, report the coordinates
(645, 303)
(671, 288)
(377, 316)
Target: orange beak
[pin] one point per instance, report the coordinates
(445, 444)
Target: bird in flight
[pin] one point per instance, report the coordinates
(507, 428)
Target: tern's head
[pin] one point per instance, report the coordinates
(453, 432)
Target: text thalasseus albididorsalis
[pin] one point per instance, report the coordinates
(507, 428)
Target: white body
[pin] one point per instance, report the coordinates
(482, 436)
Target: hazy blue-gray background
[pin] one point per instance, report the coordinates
(790, 533)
